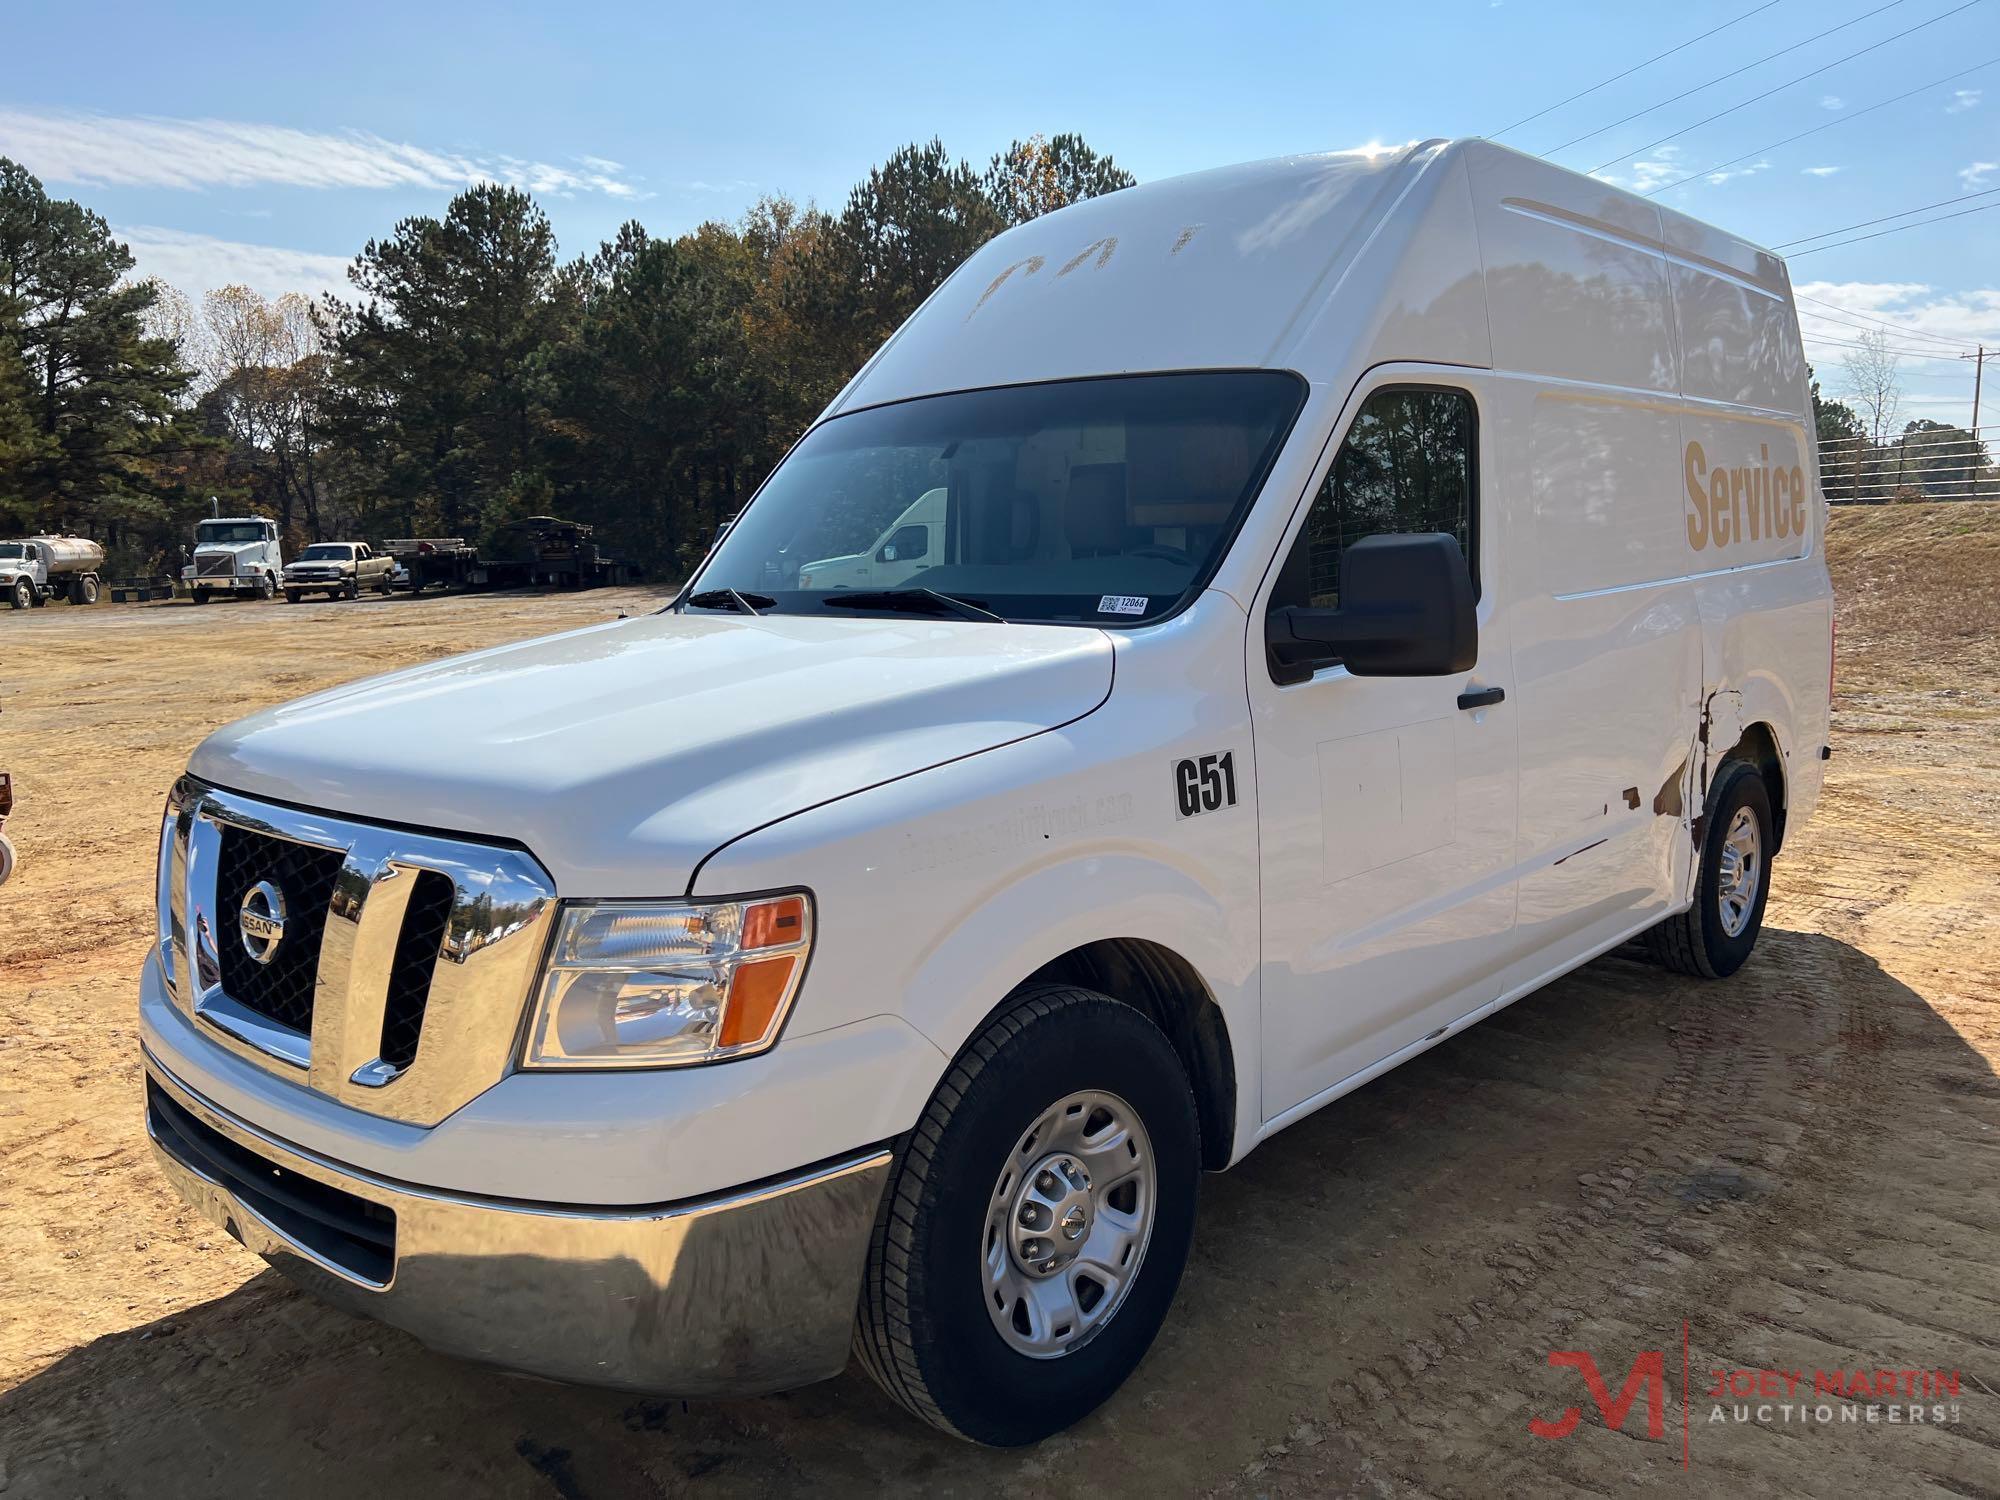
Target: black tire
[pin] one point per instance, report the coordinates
(1696, 941)
(86, 591)
(22, 595)
(200, 596)
(293, 596)
(265, 587)
(923, 1331)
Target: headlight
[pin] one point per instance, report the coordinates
(655, 984)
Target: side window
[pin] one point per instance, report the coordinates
(1407, 465)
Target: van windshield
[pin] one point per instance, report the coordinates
(1103, 502)
(229, 533)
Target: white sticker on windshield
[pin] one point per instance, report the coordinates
(1122, 604)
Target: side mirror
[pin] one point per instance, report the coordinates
(1406, 610)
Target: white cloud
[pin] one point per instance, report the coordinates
(1962, 319)
(1657, 170)
(1716, 179)
(148, 151)
(1832, 101)
(1962, 100)
(198, 262)
(1819, 171)
(1975, 175)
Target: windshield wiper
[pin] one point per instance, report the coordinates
(920, 601)
(743, 604)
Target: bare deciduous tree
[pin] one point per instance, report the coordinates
(269, 378)
(1873, 385)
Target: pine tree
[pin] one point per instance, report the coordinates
(439, 361)
(100, 399)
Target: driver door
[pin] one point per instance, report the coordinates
(1385, 805)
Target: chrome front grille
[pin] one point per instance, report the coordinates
(403, 961)
(281, 989)
(215, 565)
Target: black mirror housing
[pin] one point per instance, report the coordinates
(1406, 610)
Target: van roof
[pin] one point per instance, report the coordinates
(1231, 268)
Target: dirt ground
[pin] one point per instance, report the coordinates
(1801, 1165)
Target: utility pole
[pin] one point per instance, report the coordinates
(1978, 370)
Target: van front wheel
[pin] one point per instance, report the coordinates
(1714, 937)
(1036, 1221)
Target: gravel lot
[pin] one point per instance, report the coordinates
(1802, 1165)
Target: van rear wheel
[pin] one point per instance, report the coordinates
(1036, 1222)
(1713, 937)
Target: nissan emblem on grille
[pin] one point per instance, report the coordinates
(378, 966)
(262, 921)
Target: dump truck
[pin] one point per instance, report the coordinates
(36, 569)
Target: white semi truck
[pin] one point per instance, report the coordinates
(235, 555)
(37, 569)
(1365, 587)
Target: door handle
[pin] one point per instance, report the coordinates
(1481, 697)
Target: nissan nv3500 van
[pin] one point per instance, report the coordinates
(1365, 587)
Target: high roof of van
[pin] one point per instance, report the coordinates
(1294, 263)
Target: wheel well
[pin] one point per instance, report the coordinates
(1163, 986)
(1759, 746)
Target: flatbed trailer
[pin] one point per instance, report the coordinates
(546, 552)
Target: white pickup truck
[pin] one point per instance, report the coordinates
(1365, 587)
(340, 570)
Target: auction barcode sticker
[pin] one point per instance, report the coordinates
(1122, 604)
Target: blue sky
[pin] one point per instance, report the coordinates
(266, 143)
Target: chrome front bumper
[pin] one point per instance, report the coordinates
(741, 1293)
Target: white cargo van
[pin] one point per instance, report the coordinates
(909, 545)
(1367, 587)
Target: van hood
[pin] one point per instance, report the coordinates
(623, 754)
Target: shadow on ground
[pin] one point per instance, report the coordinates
(1398, 1239)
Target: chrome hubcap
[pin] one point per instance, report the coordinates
(1067, 1224)
(1742, 870)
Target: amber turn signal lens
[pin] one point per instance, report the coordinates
(775, 924)
(756, 990)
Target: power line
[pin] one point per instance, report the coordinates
(1935, 342)
(1656, 57)
(1865, 223)
(1878, 234)
(1814, 338)
(1722, 78)
(1779, 89)
(1852, 114)
(1872, 318)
